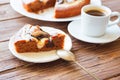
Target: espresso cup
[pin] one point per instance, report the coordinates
(95, 20)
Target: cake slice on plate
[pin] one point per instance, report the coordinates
(35, 38)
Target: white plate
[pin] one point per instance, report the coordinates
(112, 33)
(46, 15)
(40, 57)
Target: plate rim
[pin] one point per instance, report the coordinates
(12, 50)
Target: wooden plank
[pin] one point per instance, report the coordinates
(62, 71)
(4, 52)
(76, 75)
(4, 1)
(7, 60)
(102, 64)
(6, 13)
(114, 5)
(114, 78)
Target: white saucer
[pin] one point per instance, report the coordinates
(40, 57)
(111, 34)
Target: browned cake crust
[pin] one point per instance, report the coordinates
(71, 10)
(22, 46)
(68, 12)
(62, 12)
(38, 5)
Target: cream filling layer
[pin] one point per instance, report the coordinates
(26, 36)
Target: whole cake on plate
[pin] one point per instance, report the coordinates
(62, 8)
(34, 39)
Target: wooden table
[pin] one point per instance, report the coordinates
(102, 60)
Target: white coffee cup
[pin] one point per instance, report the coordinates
(94, 25)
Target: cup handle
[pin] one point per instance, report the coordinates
(115, 21)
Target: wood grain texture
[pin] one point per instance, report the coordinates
(7, 13)
(115, 78)
(3, 2)
(103, 60)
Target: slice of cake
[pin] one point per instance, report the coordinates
(69, 8)
(62, 8)
(34, 39)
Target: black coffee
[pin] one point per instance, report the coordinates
(95, 13)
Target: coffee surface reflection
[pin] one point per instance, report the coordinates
(95, 13)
